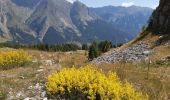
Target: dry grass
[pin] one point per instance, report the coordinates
(157, 85)
(19, 79)
(160, 52)
(11, 80)
(148, 37)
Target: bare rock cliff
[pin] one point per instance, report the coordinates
(160, 19)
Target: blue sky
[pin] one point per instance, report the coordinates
(99, 3)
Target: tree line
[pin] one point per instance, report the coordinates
(95, 49)
(44, 47)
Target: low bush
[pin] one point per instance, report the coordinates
(87, 83)
(14, 58)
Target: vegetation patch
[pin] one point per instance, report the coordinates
(2, 95)
(87, 83)
(14, 58)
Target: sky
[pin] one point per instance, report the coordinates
(125, 3)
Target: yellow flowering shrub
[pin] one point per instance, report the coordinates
(87, 83)
(13, 58)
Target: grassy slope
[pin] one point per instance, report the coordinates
(19, 79)
(156, 85)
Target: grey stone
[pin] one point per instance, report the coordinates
(135, 53)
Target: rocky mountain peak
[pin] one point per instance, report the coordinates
(160, 19)
(82, 12)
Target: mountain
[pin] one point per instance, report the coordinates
(160, 19)
(129, 19)
(58, 21)
(93, 27)
(52, 22)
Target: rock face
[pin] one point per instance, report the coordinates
(137, 52)
(160, 20)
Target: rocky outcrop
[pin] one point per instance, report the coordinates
(137, 52)
(160, 19)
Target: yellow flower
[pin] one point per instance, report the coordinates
(89, 83)
(13, 58)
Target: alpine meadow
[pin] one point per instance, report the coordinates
(84, 50)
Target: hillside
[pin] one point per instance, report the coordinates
(148, 44)
(149, 52)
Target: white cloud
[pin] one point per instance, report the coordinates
(127, 4)
(155, 6)
(71, 1)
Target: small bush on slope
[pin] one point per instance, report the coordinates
(87, 83)
(13, 58)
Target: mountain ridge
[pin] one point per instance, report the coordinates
(125, 17)
(55, 21)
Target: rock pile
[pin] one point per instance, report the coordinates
(135, 53)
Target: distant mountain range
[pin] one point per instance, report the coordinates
(129, 19)
(58, 21)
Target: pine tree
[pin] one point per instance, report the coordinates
(84, 47)
(105, 46)
(93, 51)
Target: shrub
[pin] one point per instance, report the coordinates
(105, 46)
(97, 48)
(87, 83)
(93, 52)
(13, 58)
